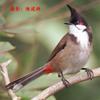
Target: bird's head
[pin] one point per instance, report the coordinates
(76, 19)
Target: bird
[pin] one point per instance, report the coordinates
(69, 56)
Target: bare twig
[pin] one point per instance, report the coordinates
(50, 90)
(4, 72)
(59, 86)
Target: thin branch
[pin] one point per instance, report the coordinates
(4, 72)
(59, 86)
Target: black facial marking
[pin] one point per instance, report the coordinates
(73, 38)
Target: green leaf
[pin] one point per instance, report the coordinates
(6, 46)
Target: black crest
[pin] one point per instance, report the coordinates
(76, 18)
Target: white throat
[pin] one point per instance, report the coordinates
(80, 34)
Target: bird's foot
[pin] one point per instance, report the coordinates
(65, 82)
(89, 73)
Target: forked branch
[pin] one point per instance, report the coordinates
(4, 72)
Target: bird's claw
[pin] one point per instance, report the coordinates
(89, 73)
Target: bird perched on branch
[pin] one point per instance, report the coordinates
(68, 57)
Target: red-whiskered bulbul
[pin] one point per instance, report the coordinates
(69, 56)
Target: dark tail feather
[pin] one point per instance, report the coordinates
(19, 83)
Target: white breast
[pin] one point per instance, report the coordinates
(80, 34)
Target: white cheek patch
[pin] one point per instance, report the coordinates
(81, 27)
(80, 34)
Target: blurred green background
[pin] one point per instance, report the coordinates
(28, 37)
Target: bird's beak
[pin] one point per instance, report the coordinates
(67, 23)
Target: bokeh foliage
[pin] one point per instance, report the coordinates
(28, 37)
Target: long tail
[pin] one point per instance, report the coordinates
(21, 82)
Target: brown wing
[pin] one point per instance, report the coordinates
(59, 47)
